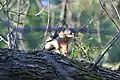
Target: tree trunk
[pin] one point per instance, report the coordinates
(45, 65)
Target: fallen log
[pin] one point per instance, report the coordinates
(46, 65)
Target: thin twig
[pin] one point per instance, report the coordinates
(64, 14)
(18, 20)
(2, 38)
(117, 45)
(22, 14)
(9, 36)
(48, 23)
(40, 11)
(82, 48)
(111, 42)
(2, 8)
(89, 22)
(18, 13)
(43, 8)
(11, 4)
(108, 15)
(114, 7)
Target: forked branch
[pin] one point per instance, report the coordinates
(113, 40)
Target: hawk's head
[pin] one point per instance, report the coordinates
(66, 36)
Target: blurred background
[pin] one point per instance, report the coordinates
(30, 20)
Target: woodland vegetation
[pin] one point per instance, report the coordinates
(25, 25)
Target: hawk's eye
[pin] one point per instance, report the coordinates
(70, 33)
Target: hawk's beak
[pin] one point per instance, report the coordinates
(70, 35)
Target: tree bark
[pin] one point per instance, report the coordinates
(46, 65)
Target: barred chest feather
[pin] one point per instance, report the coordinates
(64, 45)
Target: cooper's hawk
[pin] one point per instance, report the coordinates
(59, 41)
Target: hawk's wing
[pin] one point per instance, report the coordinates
(54, 34)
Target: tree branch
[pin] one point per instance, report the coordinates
(47, 65)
